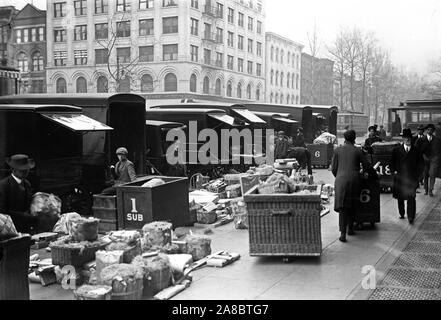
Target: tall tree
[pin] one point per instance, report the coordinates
(351, 41)
(337, 53)
(314, 48)
(367, 45)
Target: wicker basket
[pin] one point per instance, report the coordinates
(131, 295)
(157, 281)
(284, 224)
(63, 255)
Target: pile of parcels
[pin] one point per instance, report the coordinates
(326, 138)
(124, 265)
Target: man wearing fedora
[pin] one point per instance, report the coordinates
(123, 171)
(16, 193)
(406, 166)
(430, 146)
(417, 142)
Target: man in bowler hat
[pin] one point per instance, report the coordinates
(16, 193)
(431, 149)
(406, 166)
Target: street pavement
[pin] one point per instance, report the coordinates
(336, 275)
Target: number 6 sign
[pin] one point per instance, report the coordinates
(317, 154)
(365, 196)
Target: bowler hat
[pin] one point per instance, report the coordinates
(122, 150)
(430, 126)
(372, 128)
(20, 162)
(407, 133)
(421, 127)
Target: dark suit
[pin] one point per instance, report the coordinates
(15, 201)
(408, 166)
(417, 141)
(431, 153)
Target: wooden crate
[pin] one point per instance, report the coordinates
(368, 210)
(284, 224)
(105, 209)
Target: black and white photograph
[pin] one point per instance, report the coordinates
(220, 155)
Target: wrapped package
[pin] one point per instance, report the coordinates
(326, 138)
(127, 236)
(104, 259)
(45, 204)
(153, 183)
(7, 228)
(158, 273)
(198, 246)
(83, 229)
(157, 233)
(62, 225)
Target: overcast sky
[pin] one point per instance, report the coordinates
(409, 29)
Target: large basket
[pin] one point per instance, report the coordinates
(63, 255)
(156, 281)
(284, 224)
(136, 294)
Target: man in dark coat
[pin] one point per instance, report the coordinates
(303, 157)
(406, 166)
(299, 139)
(346, 169)
(417, 141)
(16, 194)
(281, 146)
(430, 146)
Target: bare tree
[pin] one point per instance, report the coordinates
(337, 53)
(351, 42)
(314, 48)
(367, 46)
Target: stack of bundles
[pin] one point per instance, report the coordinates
(104, 259)
(158, 273)
(385, 148)
(153, 183)
(157, 234)
(84, 229)
(47, 207)
(127, 241)
(276, 184)
(126, 281)
(326, 138)
(198, 246)
(95, 292)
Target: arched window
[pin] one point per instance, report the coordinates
(277, 55)
(61, 85)
(272, 53)
(277, 98)
(37, 62)
(287, 79)
(293, 60)
(102, 85)
(218, 88)
(229, 89)
(271, 97)
(249, 92)
(281, 99)
(281, 56)
(124, 85)
(23, 62)
(81, 85)
(297, 81)
(287, 99)
(272, 76)
(146, 83)
(277, 78)
(170, 82)
(257, 94)
(281, 79)
(239, 90)
(206, 87)
(193, 83)
(293, 80)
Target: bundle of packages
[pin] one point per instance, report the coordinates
(326, 138)
(45, 204)
(198, 246)
(84, 229)
(127, 236)
(63, 224)
(277, 183)
(157, 234)
(385, 148)
(129, 250)
(126, 281)
(158, 273)
(104, 259)
(95, 292)
(153, 183)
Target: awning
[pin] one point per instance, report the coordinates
(249, 116)
(9, 74)
(223, 118)
(286, 120)
(77, 122)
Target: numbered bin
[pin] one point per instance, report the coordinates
(369, 204)
(321, 154)
(386, 179)
(138, 205)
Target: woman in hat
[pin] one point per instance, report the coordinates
(373, 137)
(16, 193)
(123, 171)
(406, 167)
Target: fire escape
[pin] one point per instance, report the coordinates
(212, 39)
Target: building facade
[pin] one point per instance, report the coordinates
(157, 46)
(282, 70)
(7, 14)
(317, 81)
(29, 48)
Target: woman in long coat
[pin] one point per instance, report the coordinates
(346, 169)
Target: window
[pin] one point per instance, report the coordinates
(146, 54)
(170, 82)
(272, 53)
(124, 85)
(80, 7)
(193, 83)
(122, 5)
(123, 55)
(80, 33)
(250, 24)
(277, 55)
(230, 62)
(170, 52)
(230, 15)
(81, 85)
(259, 49)
(287, 99)
(293, 99)
(102, 85)
(293, 80)
(250, 67)
(170, 25)
(249, 92)
(219, 35)
(250, 46)
(101, 56)
(61, 85)
(80, 57)
(258, 94)
(101, 6)
(288, 56)
(220, 10)
(241, 20)
(59, 9)
(281, 79)
(60, 58)
(230, 39)
(195, 4)
(23, 62)
(259, 6)
(207, 56)
(218, 88)
(146, 27)
(207, 31)
(239, 90)
(34, 35)
(25, 35)
(37, 86)
(206, 86)
(281, 56)
(169, 3)
(146, 83)
(287, 80)
(194, 52)
(297, 81)
(194, 30)
(219, 59)
(297, 99)
(240, 64)
(18, 36)
(258, 69)
(272, 77)
(281, 98)
(145, 4)
(41, 34)
(229, 90)
(37, 61)
(259, 27)
(101, 31)
(123, 29)
(60, 35)
(276, 99)
(277, 78)
(240, 42)
(271, 97)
